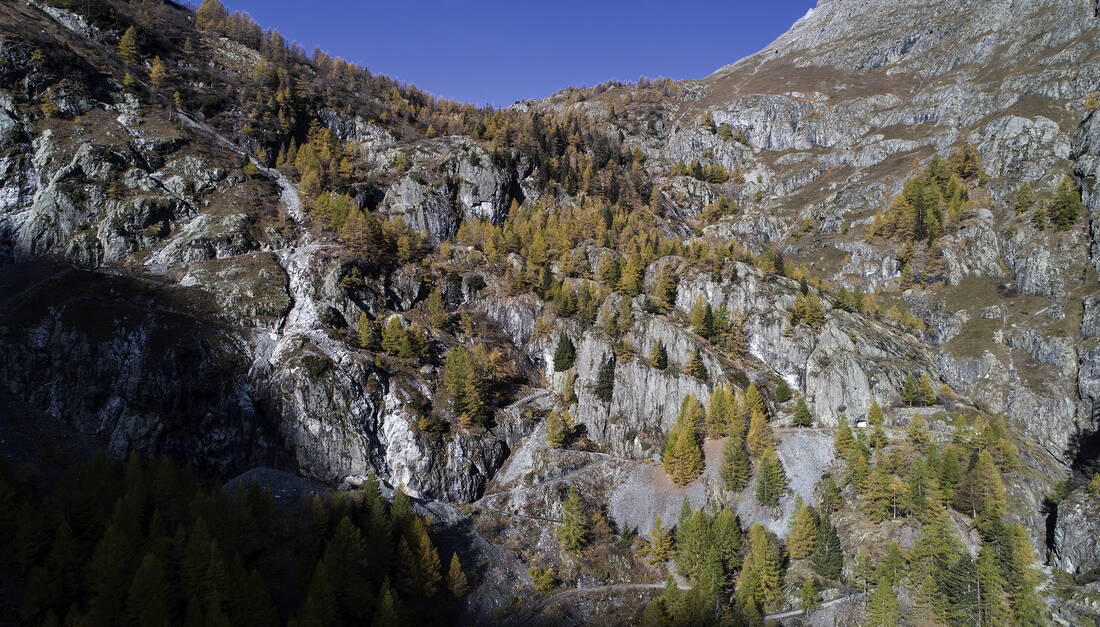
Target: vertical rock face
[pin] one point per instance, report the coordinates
(1077, 536)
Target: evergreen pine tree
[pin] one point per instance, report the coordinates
(882, 607)
(993, 606)
(828, 556)
(430, 570)
(320, 607)
(878, 496)
(573, 531)
(761, 574)
(475, 411)
(665, 285)
(695, 366)
(437, 310)
(364, 331)
(753, 402)
(661, 546)
(565, 354)
(918, 435)
(389, 612)
(605, 381)
(783, 392)
(555, 431)
(681, 457)
(735, 465)
(210, 14)
(909, 392)
(702, 318)
(150, 599)
(808, 596)
(771, 480)
(1066, 206)
(802, 537)
(658, 358)
(760, 438)
(926, 391)
(802, 415)
(843, 438)
(394, 336)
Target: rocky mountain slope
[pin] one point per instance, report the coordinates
(176, 283)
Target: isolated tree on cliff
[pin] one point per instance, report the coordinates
(437, 310)
(695, 366)
(665, 285)
(555, 430)
(802, 415)
(702, 318)
(1066, 206)
(658, 358)
(926, 391)
(565, 355)
(783, 392)
(605, 381)
(573, 531)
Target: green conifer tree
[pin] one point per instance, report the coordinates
(565, 354)
(555, 430)
(882, 607)
(760, 437)
(695, 366)
(394, 337)
(828, 556)
(808, 596)
(926, 391)
(878, 496)
(573, 531)
(802, 415)
(437, 310)
(605, 381)
(802, 537)
(771, 480)
(661, 546)
(658, 357)
(735, 465)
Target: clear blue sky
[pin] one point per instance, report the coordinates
(496, 52)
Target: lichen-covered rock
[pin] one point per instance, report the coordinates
(1077, 534)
